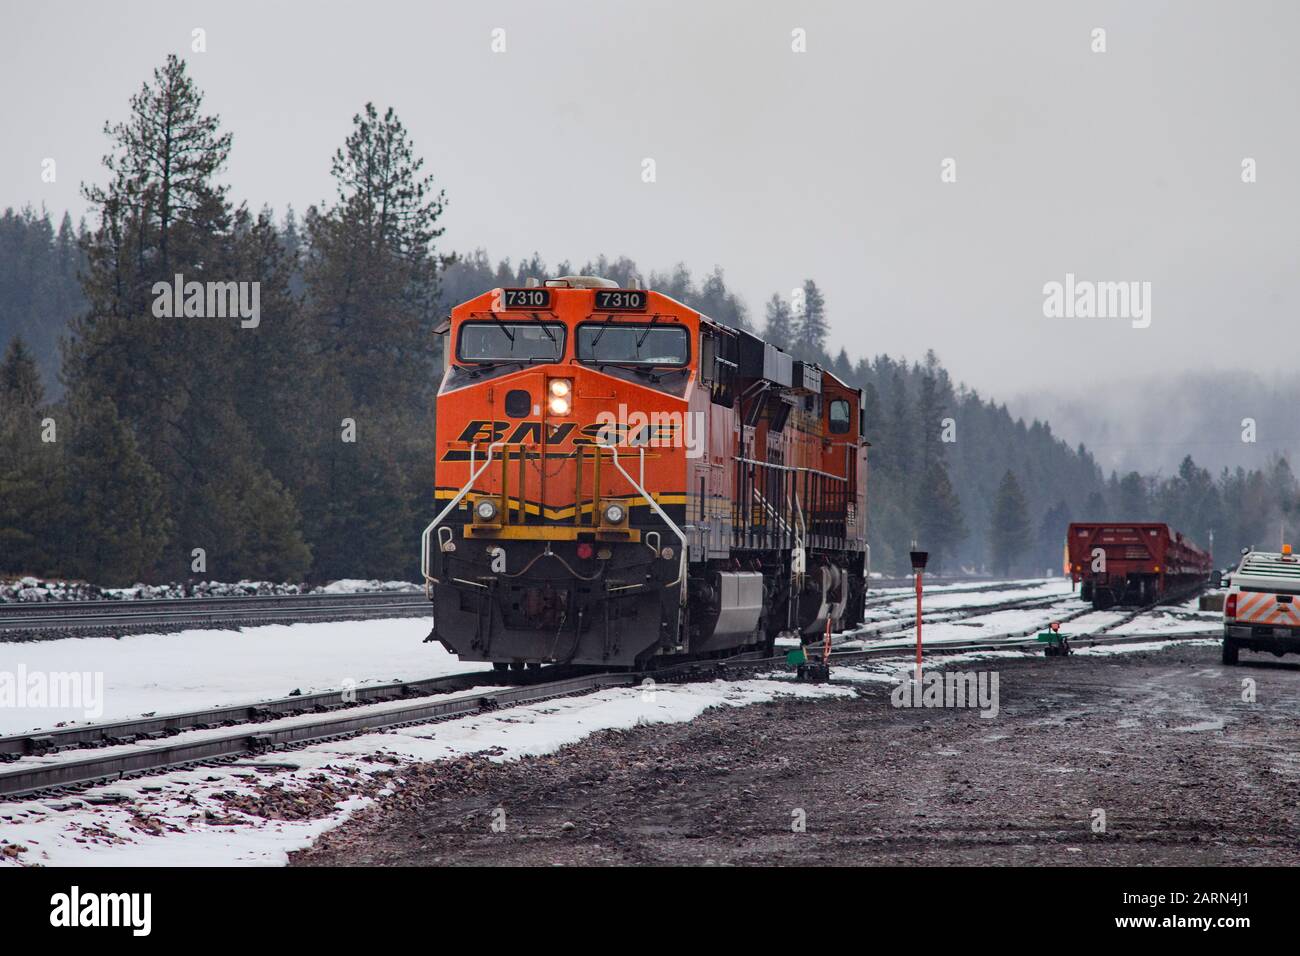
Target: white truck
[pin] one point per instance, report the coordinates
(1261, 610)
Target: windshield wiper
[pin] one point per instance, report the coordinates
(549, 334)
(603, 326)
(506, 329)
(653, 319)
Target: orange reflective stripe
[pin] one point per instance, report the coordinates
(1247, 603)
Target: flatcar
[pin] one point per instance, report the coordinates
(1133, 563)
(622, 481)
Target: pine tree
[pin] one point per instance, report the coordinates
(811, 326)
(116, 498)
(941, 525)
(372, 270)
(1095, 508)
(20, 380)
(1009, 533)
(1133, 504)
(174, 384)
(778, 328)
(843, 367)
(372, 290)
(30, 473)
(1051, 536)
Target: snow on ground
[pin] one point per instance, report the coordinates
(31, 589)
(354, 585)
(891, 670)
(943, 598)
(187, 822)
(994, 624)
(1007, 589)
(1108, 650)
(1175, 619)
(169, 673)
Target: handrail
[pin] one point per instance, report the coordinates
(460, 495)
(639, 487)
(654, 506)
(796, 468)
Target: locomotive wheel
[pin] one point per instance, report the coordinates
(500, 666)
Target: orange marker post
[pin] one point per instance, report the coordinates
(918, 565)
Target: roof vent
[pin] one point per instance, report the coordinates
(583, 282)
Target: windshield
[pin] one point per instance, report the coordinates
(510, 342)
(633, 344)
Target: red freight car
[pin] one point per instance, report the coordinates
(1133, 562)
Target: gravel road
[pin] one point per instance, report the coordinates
(1162, 742)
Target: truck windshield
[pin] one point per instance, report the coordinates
(510, 342)
(624, 344)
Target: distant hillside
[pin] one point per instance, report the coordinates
(1149, 425)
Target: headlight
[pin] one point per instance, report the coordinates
(614, 514)
(486, 510)
(559, 405)
(561, 387)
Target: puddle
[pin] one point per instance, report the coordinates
(1214, 723)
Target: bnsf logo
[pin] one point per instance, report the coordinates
(655, 434)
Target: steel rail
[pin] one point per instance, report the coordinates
(40, 742)
(869, 629)
(54, 616)
(30, 781)
(217, 600)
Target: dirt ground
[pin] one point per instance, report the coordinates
(1185, 771)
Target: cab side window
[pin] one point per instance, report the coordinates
(839, 417)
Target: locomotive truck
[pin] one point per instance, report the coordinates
(621, 480)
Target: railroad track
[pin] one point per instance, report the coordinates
(63, 776)
(47, 620)
(964, 612)
(907, 595)
(950, 615)
(426, 701)
(1128, 616)
(40, 743)
(1018, 641)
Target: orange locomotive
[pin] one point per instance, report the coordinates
(620, 480)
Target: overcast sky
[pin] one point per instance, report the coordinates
(1117, 166)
